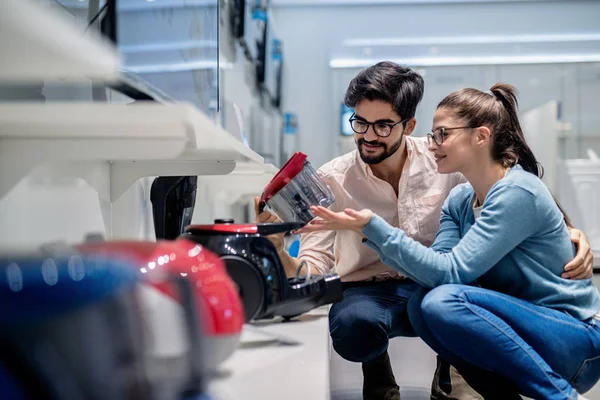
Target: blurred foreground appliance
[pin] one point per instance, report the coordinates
(294, 189)
(70, 328)
(253, 263)
(173, 199)
(216, 298)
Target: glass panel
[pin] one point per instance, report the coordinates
(170, 44)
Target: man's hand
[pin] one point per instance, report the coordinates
(267, 217)
(581, 267)
(290, 264)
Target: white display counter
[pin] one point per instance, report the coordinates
(128, 142)
(279, 360)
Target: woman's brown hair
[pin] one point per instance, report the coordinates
(497, 110)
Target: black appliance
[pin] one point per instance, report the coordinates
(237, 14)
(261, 57)
(173, 199)
(252, 262)
(277, 97)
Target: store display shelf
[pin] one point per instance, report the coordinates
(211, 142)
(247, 179)
(38, 43)
(136, 140)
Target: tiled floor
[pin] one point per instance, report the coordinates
(414, 364)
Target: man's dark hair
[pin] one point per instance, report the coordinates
(390, 82)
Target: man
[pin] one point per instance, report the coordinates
(396, 176)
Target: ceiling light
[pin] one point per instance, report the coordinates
(478, 60)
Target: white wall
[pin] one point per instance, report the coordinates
(312, 34)
(575, 86)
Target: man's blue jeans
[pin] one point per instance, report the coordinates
(546, 353)
(369, 315)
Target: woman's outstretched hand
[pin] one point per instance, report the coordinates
(327, 220)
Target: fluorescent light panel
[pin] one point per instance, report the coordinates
(482, 60)
(177, 67)
(296, 3)
(450, 40)
(150, 47)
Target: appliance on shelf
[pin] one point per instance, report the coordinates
(255, 21)
(253, 264)
(273, 60)
(261, 52)
(216, 299)
(173, 199)
(237, 14)
(278, 56)
(294, 189)
(70, 329)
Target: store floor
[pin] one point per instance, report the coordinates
(414, 364)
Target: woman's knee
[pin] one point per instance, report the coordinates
(441, 302)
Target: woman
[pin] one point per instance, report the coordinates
(499, 304)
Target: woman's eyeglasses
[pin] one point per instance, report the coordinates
(381, 129)
(438, 135)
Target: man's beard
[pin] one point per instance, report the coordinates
(378, 158)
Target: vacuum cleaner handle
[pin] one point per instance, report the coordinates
(278, 227)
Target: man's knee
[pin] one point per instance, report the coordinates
(413, 309)
(357, 334)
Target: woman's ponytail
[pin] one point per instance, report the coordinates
(513, 148)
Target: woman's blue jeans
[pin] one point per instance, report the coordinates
(546, 353)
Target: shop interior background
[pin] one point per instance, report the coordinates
(548, 49)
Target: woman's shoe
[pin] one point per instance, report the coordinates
(448, 384)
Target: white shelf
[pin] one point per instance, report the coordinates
(211, 142)
(38, 43)
(127, 142)
(210, 150)
(247, 179)
(265, 368)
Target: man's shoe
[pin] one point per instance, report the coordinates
(378, 380)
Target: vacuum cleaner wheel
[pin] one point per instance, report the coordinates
(249, 282)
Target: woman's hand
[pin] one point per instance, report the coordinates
(582, 266)
(327, 220)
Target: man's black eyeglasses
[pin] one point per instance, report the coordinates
(381, 129)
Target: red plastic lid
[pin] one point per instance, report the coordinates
(288, 172)
(224, 228)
